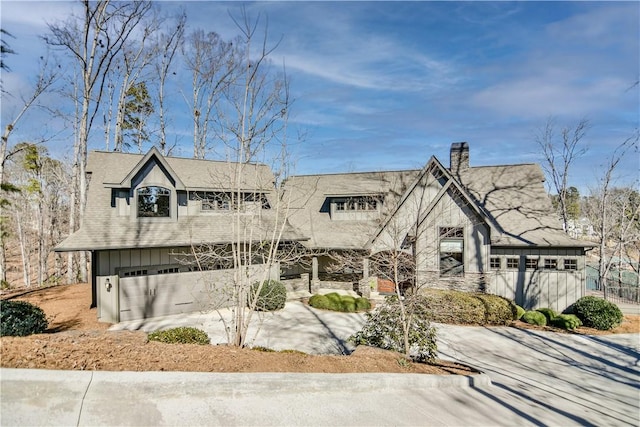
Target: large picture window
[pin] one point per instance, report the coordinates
(154, 202)
(451, 251)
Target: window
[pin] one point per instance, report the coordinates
(550, 264)
(451, 251)
(154, 202)
(532, 263)
(495, 263)
(134, 273)
(359, 203)
(225, 201)
(513, 263)
(570, 264)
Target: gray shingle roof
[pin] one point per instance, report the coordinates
(516, 202)
(103, 228)
(512, 199)
(309, 213)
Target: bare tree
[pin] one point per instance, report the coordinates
(558, 157)
(259, 101)
(94, 41)
(613, 220)
(46, 78)
(213, 64)
(168, 44)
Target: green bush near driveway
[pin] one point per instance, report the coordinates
(534, 318)
(20, 318)
(336, 302)
(597, 313)
(182, 335)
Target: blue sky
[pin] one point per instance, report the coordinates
(385, 85)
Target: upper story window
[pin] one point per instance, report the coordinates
(212, 201)
(357, 203)
(154, 202)
(451, 251)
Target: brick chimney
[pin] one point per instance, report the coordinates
(459, 157)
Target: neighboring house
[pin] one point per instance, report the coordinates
(489, 229)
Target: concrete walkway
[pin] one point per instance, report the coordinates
(536, 378)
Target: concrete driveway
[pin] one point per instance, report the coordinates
(552, 378)
(536, 378)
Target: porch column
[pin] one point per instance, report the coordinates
(315, 282)
(365, 288)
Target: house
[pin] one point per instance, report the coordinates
(146, 214)
(488, 228)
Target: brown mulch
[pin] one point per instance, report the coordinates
(76, 340)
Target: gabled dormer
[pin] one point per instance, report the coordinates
(151, 190)
(354, 207)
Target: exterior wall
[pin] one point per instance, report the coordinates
(448, 212)
(115, 262)
(538, 288)
(166, 294)
(154, 294)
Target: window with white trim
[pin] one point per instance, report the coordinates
(451, 251)
(495, 263)
(570, 263)
(154, 202)
(550, 264)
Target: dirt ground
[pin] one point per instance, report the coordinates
(76, 340)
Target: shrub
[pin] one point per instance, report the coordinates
(183, 335)
(497, 310)
(337, 302)
(384, 329)
(20, 318)
(534, 318)
(566, 321)
(363, 304)
(272, 296)
(519, 312)
(459, 307)
(319, 301)
(454, 307)
(548, 313)
(597, 313)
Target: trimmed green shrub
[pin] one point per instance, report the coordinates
(20, 318)
(454, 307)
(566, 321)
(336, 302)
(457, 307)
(272, 296)
(320, 301)
(182, 335)
(534, 318)
(384, 329)
(363, 304)
(548, 313)
(497, 310)
(519, 312)
(597, 313)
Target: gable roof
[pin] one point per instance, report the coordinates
(152, 155)
(510, 199)
(308, 195)
(516, 202)
(104, 228)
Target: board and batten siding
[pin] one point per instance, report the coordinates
(539, 288)
(111, 262)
